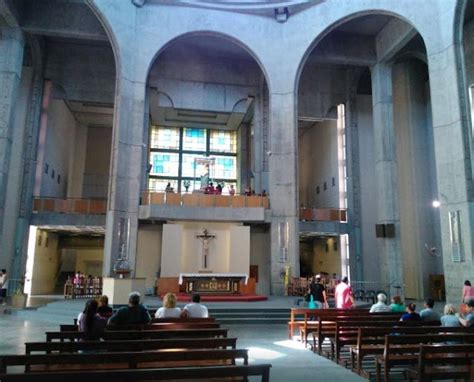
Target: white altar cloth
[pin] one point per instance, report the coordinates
(197, 275)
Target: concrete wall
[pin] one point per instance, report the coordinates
(182, 251)
(57, 150)
(77, 162)
(468, 35)
(16, 167)
(97, 162)
(368, 209)
(417, 188)
(318, 164)
(325, 257)
(260, 256)
(149, 253)
(46, 262)
(87, 259)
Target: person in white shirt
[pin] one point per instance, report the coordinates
(169, 308)
(380, 306)
(196, 309)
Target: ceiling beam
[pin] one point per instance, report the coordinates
(9, 13)
(393, 37)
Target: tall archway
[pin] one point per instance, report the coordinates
(208, 111)
(365, 143)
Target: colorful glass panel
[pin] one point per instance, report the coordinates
(164, 138)
(159, 185)
(194, 139)
(225, 167)
(223, 141)
(164, 164)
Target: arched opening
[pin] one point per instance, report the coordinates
(72, 158)
(208, 135)
(366, 154)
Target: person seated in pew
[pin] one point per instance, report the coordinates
(196, 309)
(411, 314)
(449, 318)
(468, 320)
(380, 306)
(397, 305)
(134, 313)
(104, 309)
(90, 323)
(169, 308)
(428, 314)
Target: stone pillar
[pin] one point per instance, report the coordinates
(453, 145)
(283, 189)
(386, 173)
(125, 174)
(11, 60)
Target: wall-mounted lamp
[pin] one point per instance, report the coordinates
(282, 14)
(436, 203)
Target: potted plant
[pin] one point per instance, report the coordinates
(19, 298)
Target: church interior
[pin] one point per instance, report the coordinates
(236, 150)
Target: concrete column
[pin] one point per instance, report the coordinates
(283, 188)
(11, 60)
(386, 173)
(258, 141)
(125, 174)
(452, 140)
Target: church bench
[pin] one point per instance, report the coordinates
(403, 350)
(140, 334)
(371, 340)
(443, 362)
(122, 360)
(156, 326)
(173, 319)
(130, 345)
(327, 328)
(180, 373)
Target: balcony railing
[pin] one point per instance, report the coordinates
(70, 206)
(205, 200)
(323, 214)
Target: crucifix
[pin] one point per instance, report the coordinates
(205, 238)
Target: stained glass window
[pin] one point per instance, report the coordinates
(188, 165)
(164, 138)
(223, 141)
(194, 139)
(225, 167)
(164, 164)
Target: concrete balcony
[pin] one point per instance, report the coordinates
(204, 207)
(70, 212)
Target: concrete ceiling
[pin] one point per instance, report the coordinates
(369, 25)
(92, 114)
(74, 230)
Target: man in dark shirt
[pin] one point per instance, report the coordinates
(134, 313)
(318, 291)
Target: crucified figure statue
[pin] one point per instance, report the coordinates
(205, 238)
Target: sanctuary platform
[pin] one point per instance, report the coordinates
(185, 297)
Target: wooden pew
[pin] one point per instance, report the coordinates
(404, 350)
(202, 372)
(140, 334)
(328, 328)
(443, 362)
(371, 340)
(123, 360)
(156, 326)
(172, 319)
(130, 345)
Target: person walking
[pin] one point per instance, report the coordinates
(318, 291)
(343, 295)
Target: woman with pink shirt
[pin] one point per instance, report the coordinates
(467, 292)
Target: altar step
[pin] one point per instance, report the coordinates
(250, 316)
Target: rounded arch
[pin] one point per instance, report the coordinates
(111, 36)
(224, 36)
(337, 23)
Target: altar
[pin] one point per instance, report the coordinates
(212, 283)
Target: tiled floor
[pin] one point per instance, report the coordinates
(291, 362)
